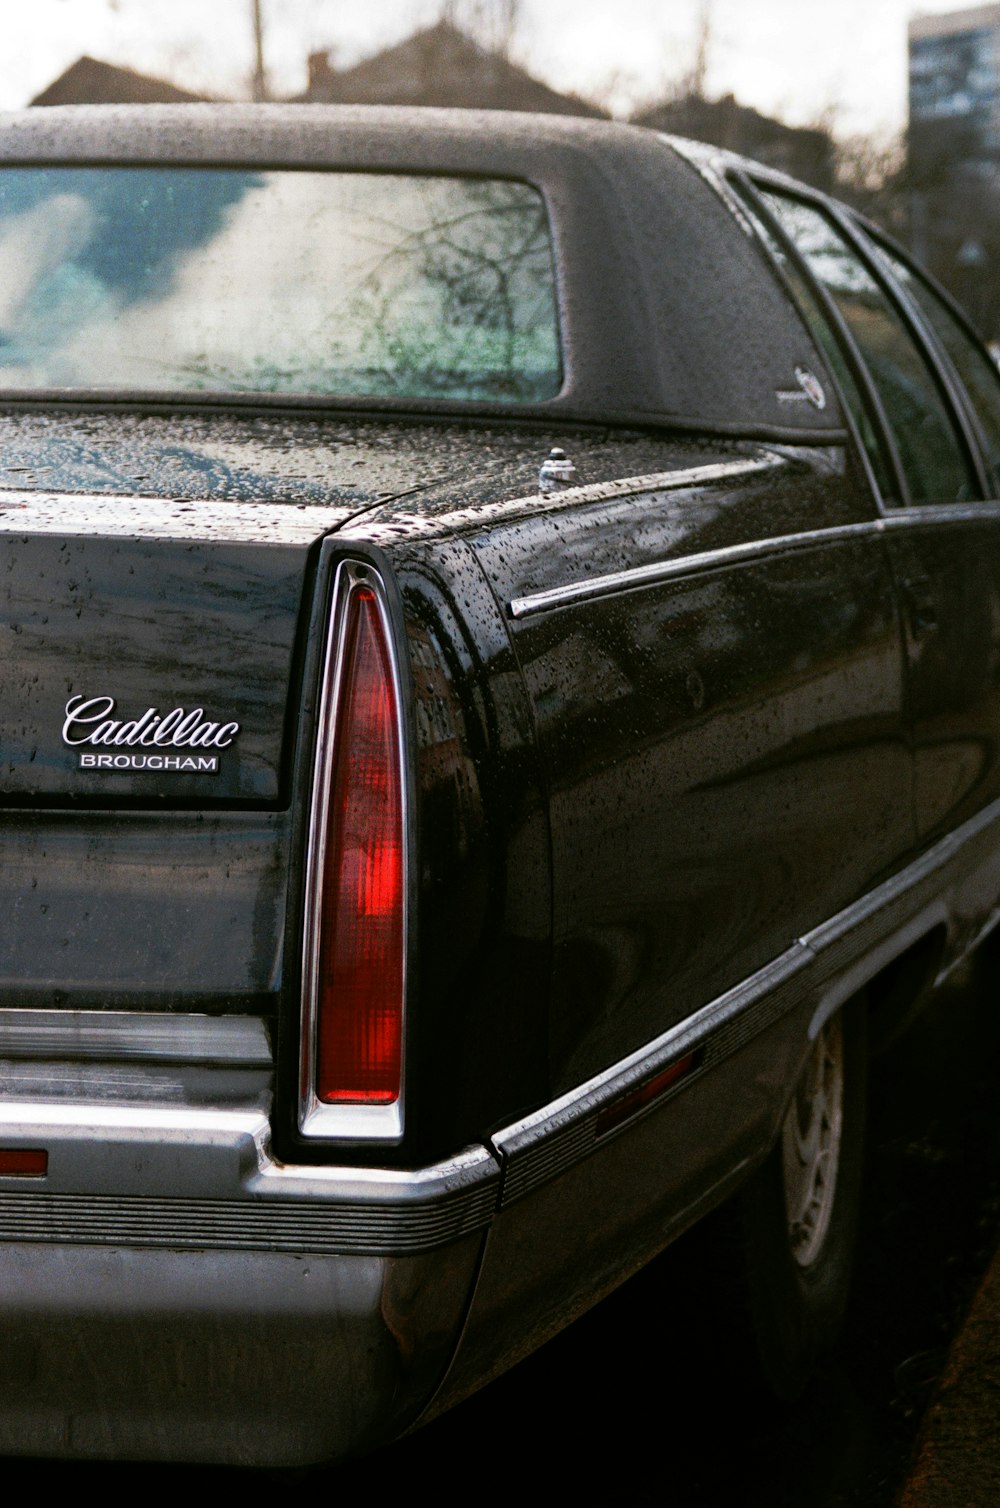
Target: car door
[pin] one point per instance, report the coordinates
(712, 655)
(942, 526)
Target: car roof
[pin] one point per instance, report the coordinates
(669, 312)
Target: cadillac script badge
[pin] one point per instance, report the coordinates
(175, 742)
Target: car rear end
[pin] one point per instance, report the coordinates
(276, 932)
(172, 1287)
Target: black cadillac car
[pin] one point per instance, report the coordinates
(500, 707)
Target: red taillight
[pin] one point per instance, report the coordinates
(359, 959)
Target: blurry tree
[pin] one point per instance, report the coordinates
(872, 175)
(493, 23)
(258, 83)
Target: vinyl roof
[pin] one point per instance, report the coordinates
(670, 314)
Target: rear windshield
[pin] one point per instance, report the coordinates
(167, 280)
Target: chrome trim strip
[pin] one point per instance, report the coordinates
(110, 1168)
(134, 1036)
(824, 967)
(916, 892)
(128, 517)
(227, 1192)
(545, 1143)
(915, 518)
(538, 503)
(194, 1224)
(316, 1119)
(659, 571)
(932, 515)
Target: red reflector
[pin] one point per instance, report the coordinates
(360, 983)
(23, 1162)
(622, 1110)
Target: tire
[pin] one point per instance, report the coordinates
(800, 1210)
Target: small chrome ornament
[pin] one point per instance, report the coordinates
(809, 390)
(811, 386)
(556, 471)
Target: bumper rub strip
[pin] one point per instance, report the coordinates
(344, 1228)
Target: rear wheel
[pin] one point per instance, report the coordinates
(800, 1211)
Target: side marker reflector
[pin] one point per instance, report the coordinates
(23, 1162)
(630, 1104)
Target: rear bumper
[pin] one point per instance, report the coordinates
(236, 1357)
(169, 1292)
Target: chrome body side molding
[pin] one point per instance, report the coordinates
(659, 572)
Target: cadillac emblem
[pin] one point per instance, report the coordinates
(174, 742)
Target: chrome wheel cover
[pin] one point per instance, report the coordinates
(810, 1144)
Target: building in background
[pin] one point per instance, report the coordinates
(88, 81)
(953, 167)
(945, 199)
(804, 152)
(440, 65)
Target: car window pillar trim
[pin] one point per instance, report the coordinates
(925, 339)
(751, 187)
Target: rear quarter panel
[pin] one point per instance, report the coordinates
(724, 749)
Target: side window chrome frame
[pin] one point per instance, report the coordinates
(884, 246)
(863, 240)
(750, 189)
(923, 336)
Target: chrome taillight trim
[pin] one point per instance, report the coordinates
(316, 1119)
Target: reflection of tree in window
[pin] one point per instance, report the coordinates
(213, 280)
(463, 304)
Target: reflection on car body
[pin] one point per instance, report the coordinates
(500, 706)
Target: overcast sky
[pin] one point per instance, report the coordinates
(802, 60)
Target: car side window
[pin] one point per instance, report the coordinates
(978, 373)
(826, 340)
(931, 450)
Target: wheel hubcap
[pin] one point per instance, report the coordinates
(810, 1140)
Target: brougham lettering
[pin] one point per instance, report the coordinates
(202, 764)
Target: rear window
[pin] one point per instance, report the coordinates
(168, 280)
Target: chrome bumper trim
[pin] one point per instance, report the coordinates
(340, 1228)
(135, 1036)
(204, 1180)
